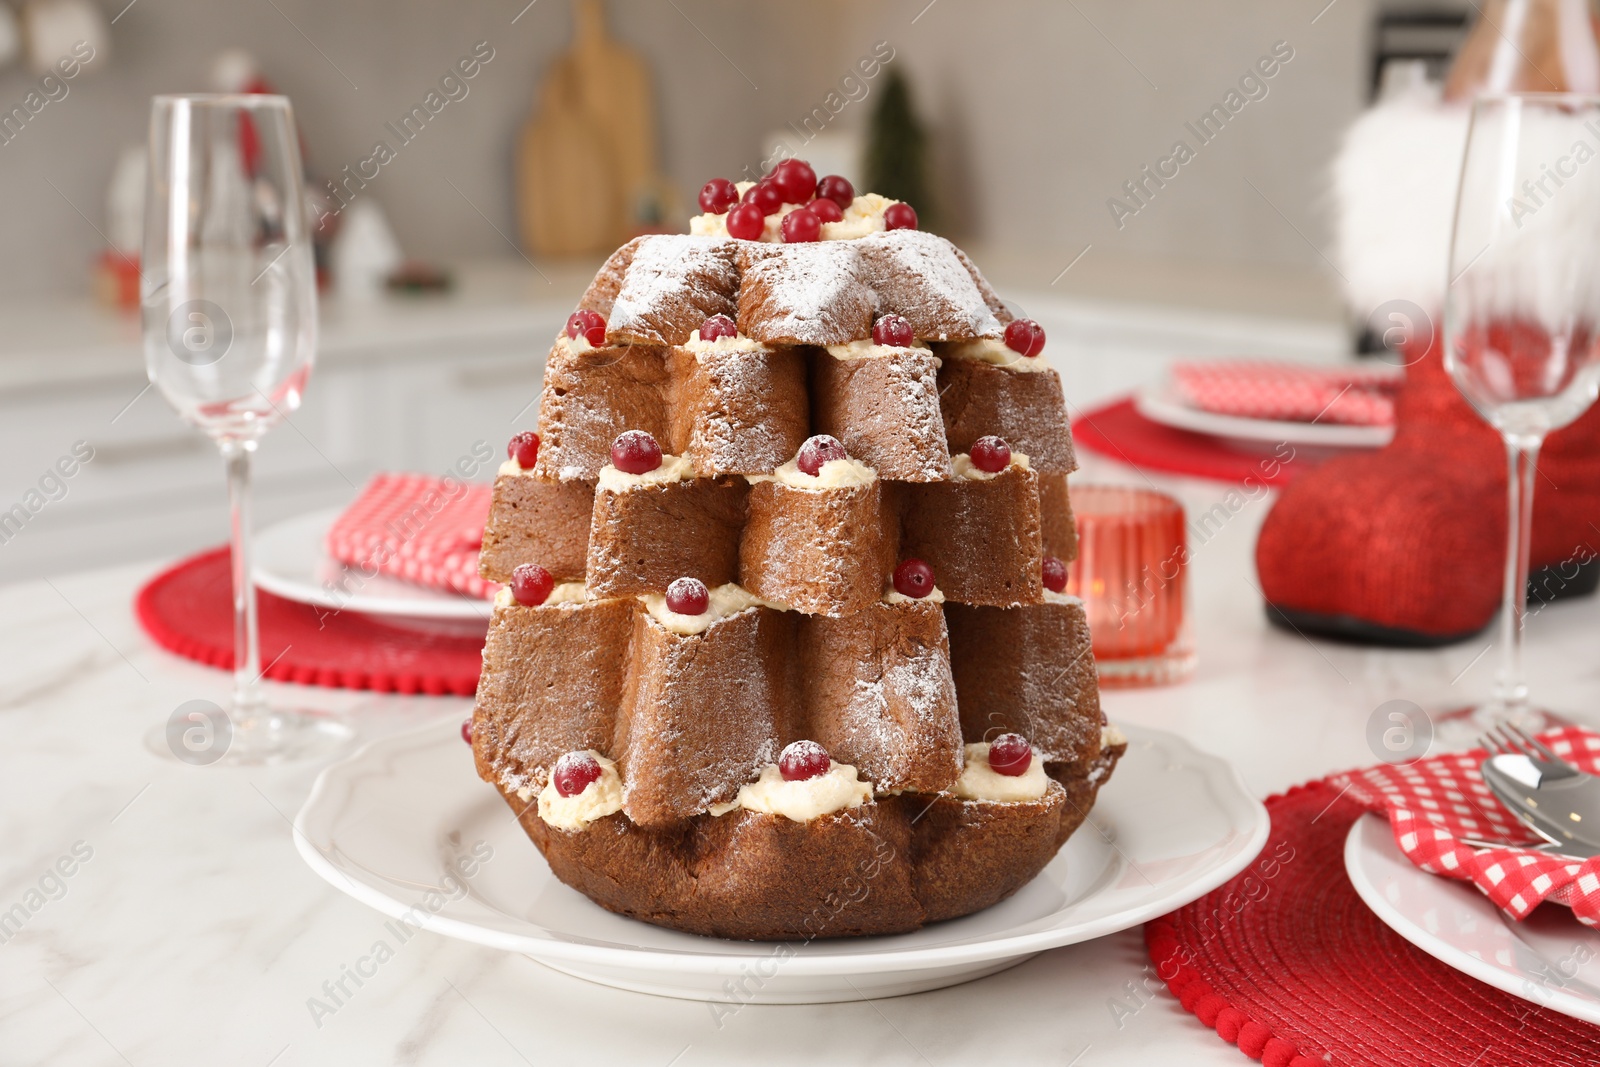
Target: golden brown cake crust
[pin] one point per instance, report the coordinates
(738, 412)
(879, 695)
(1027, 670)
(637, 543)
(884, 410)
(703, 713)
(537, 520)
(819, 551)
(981, 537)
(1024, 407)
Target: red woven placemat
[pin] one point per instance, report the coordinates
(1287, 962)
(188, 610)
(1119, 432)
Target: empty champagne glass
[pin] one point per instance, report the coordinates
(1522, 313)
(230, 331)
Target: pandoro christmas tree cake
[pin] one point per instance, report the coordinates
(782, 650)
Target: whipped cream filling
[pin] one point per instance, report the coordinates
(979, 781)
(1053, 597)
(1110, 736)
(672, 469)
(990, 350)
(839, 788)
(579, 344)
(726, 600)
(737, 343)
(834, 474)
(964, 467)
(868, 349)
(600, 798)
(512, 469)
(563, 593)
(895, 596)
(864, 216)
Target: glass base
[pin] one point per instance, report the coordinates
(1460, 729)
(201, 734)
(1175, 664)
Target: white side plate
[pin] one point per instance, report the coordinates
(1549, 958)
(1162, 404)
(291, 563)
(390, 824)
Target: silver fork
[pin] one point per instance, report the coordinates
(1550, 796)
(1508, 739)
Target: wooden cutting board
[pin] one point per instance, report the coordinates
(587, 155)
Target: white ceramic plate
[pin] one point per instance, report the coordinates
(291, 563)
(1549, 958)
(1162, 404)
(387, 824)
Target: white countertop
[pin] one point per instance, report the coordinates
(194, 934)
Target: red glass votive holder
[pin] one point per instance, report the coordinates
(1131, 574)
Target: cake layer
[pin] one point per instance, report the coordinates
(902, 411)
(1056, 526)
(889, 866)
(658, 289)
(691, 716)
(827, 552)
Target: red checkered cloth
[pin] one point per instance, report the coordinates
(418, 528)
(1290, 392)
(1432, 802)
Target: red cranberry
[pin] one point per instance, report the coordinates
(531, 584)
(990, 454)
(466, 730)
(837, 189)
(746, 222)
(1055, 575)
(795, 180)
(718, 326)
(524, 448)
(1010, 755)
(1025, 336)
(825, 210)
(635, 452)
(718, 195)
(803, 759)
(764, 195)
(688, 596)
(817, 451)
(913, 578)
(900, 217)
(800, 226)
(575, 772)
(892, 330)
(590, 324)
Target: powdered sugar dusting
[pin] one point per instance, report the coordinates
(809, 294)
(920, 276)
(673, 284)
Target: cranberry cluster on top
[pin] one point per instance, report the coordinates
(791, 182)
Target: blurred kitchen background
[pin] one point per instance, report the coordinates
(1034, 116)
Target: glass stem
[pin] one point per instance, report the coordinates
(1511, 687)
(248, 703)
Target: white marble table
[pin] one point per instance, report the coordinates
(193, 934)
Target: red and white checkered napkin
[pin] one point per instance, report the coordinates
(1433, 801)
(1290, 392)
(416, 527)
